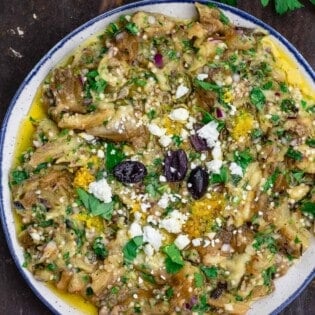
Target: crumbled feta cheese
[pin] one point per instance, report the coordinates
(214, 166)
(229, 307)
(101, 190)
(181, 241)
(164, 201)
(100, 154)
(86, 136)
(184, 134)
(165, 141)
(135, 229)
(148, 250)
(216, 151)
(152, 236)
(210, 133)
(202, 76)
(173, 222)
(181, 91)
(179, 114)
(196, 242)
(151, 19)
(236, 169)
(155, 130)
(35, 236)
(233, 110)
(162, 179)
(145, 206)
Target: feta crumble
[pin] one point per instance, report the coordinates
(214, 166)
(179, 114)
(165, 141)
(155, 130)
(173, 222)
(181, 91)
(202, 76)
(101, 190)
(210, 133)
(236, 169)
(152, 236)
(135, 230)
(181, 241)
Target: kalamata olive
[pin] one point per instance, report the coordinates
(198, 182)
(217, 292)
(130, 172)
(198, 143)
(175, 165)
(18, 205)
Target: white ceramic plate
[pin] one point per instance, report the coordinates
(287, 287)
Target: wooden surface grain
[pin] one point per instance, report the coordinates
(28, 29)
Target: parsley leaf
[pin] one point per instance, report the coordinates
(283, 6)
(95, 206)
(114, 155)
(310, 141)
(265, 239)
(132, 28)
(210, 272)
(198, 278)
(257, 98)
(207, 85)
(243, 158)
(308, 207)
(18, 177)
(99, 248)
(268, 275)
(222, 177)
(174, 260)
(130, 250)
(294, 154)
(271, 180)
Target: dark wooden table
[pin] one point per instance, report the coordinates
(28, 29)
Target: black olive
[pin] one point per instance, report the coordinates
(198, 182)
(18, 205)
(198, 143)
(130, 172)
(175, 165)
(217, 292)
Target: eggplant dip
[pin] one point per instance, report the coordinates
(173, 172)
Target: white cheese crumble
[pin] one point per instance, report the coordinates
(173, 222)
(164, 201)
(155, 130)
(179, 114)
(214, 166)
(100, 154)
(165, 141)
(135, 230)
(101, 190)
(181, 241)
(181, 91)
(148, 250)
(210, 133)
(236, 169)
(196, 242)
(152, 236)
(233, 110)
(86, 136)
(202, 76)
(216, 151)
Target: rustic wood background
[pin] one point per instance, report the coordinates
(28, 29)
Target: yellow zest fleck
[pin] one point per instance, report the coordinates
(135, 207)
(228, 97)
(91, 222)
(203, 213)
(243, 124)
(172, 127)
(83, 178)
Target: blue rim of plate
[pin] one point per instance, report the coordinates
(300, 59)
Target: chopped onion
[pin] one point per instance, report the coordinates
(219, 112)
(158, 60)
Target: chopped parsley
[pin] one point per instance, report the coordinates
(114, 155)
(99, 248)
(130, 250)
(257, 98)
(173, 261)
(18, 176)
(210, 272)
(294, 154)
